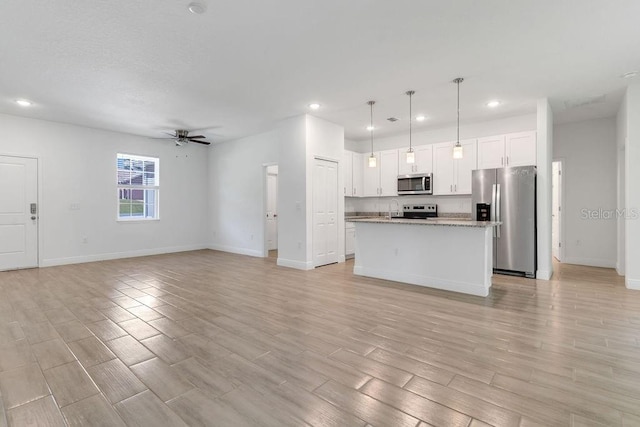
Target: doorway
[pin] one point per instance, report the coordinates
(325, 211)
(556, 211)
(18, 212)
(271, 212)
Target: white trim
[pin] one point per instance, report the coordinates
(298, 265)
(543, 274)
(633, 284)
(591, 262)
(118, 255)
(236, 250)
(431, 282)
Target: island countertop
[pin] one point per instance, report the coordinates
(451, 222)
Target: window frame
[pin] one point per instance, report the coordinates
(140, 187)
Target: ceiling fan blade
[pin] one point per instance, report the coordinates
(196, 136)
(199, 142)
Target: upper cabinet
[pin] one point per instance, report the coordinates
(423, 163)
(383, 179)
(453, 176)
(352, 174)
(514, 149)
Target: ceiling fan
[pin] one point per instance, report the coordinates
(182, 137)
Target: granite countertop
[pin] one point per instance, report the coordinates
(452, 222)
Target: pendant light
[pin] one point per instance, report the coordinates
(372, 157)
(457, 149)
(411, 156)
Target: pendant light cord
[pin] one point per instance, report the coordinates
(371, 105)
(459, 111)
(410, 93)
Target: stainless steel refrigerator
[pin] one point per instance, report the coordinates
(509, 195)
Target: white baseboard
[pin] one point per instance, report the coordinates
(619, 269)
(119, 255)
(430, 282)
(544, 274)
(633, 284)
(298, 265)
(236, 250)
(591, 262)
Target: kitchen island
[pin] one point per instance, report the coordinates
(449, 254)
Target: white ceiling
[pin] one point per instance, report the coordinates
(148, 66)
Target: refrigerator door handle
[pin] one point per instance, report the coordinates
(498, 209)
(493, 207)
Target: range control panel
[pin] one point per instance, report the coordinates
(429, 210)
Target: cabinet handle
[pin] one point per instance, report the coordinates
(451, 188)
(507, 160)
(501, 161)
(354, 191)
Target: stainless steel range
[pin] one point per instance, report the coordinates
(429, 210)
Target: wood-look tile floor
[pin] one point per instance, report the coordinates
(211, 338)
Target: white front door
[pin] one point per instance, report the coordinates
(18, 212)
(272, 214)
(325, 212)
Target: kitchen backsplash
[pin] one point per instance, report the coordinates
(446, 204)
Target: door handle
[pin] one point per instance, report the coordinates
(33, 218)
(492, 214)
(498, 209)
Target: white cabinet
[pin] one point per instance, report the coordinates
(349, 239)
(352, 168)
(383, 179)
(520, 149)
(514, 149)
(453, 176)
(423, 163)
(347, 169)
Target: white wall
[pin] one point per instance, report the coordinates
(432, 136)
(324, 140)
(236, 204)
(621, 138)
(544, 154)
(77, 165)
(589, 153)
(632, 188)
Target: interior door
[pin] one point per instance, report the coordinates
(325, 212)
(272, 213)
(18, 212)
(556, 209)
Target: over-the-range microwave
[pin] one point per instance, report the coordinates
(421, 183)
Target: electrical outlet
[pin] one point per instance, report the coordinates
(84, 239)
(396, 251)
(578, 242)
(252, 237)
(299, 245)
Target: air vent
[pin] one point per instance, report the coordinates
(393, 119)
(582, 102)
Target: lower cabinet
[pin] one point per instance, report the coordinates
(349, 239)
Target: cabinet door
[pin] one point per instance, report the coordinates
(388, 173)
(357, 190)
(521, 149)
(491, 152)
(404, 168)
(370, 176)
(443, 168)
(464, 167)
(349, 239)
(347, 168)
(424, 159)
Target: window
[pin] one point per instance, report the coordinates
(138, 187)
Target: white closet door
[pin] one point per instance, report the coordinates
(325, 211)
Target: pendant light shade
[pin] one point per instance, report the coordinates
(411, 156)
(457, 149)
(372, 158)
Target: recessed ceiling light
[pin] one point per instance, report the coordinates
(197, 8)
(420, 118)
(493, 104)
(370, 128)
(24, 103)
(314, 106)
(630, 74)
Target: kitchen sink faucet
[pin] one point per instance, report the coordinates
(397, 211)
